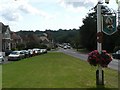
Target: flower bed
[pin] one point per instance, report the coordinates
(103, 59)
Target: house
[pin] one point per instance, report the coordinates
(5, 37)
(16, 39)
(44, 39)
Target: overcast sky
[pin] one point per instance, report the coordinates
(46, 14)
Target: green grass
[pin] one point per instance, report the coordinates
(0, 76)
(54, 70)
(83, 50)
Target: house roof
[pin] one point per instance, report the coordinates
(43, 38)
(15, 36)
(4, 27)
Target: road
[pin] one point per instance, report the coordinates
(114, 64)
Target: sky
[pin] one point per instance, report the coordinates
(46, 14)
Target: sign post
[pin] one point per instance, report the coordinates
(106, 24)
(109, 24)
(99, 72)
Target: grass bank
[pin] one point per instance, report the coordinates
(54, 70)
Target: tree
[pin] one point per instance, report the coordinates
(20, 46)
(58, 36)
(88, 32)
(89, 29)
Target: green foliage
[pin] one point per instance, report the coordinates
(32, 44)
(88, 32)
(13, 49)
(59, 36)
(89, 29)
(66, 36)
(42, 46)
(20, 46)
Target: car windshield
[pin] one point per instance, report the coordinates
(14, 52)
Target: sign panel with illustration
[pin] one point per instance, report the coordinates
(109, 24)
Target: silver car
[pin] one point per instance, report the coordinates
(16, 55)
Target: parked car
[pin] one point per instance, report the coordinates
(16, 55)
(65, 47)
(2, 58)
(42, 51)
(36, 51)
(116, 55)
(26, 52)
(7, 52)
(69, 47)
(31, 52)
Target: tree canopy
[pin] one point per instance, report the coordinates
(89, 29)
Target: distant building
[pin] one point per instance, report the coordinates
(46, 41)
(5, 37)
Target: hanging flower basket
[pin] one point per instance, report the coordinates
(103, 59)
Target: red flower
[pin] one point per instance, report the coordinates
(103, 59)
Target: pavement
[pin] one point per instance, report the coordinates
(6, 60)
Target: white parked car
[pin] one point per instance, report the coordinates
(31, 52)
(16, 55)
(26, 52)
(65, 47)
(116, 55)
(37, 51)
(43, 50)
(2, 58)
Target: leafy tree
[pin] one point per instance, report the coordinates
(43, 46)
(88, 32)
(57, 36)
(20, 46)
(89, 29)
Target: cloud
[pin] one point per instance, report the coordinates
(9, 12)
(13, 10)
(28, 9)
(11, 16)
(43, 1)
(77, 5)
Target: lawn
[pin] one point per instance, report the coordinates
(54, 70)
(0, 76)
